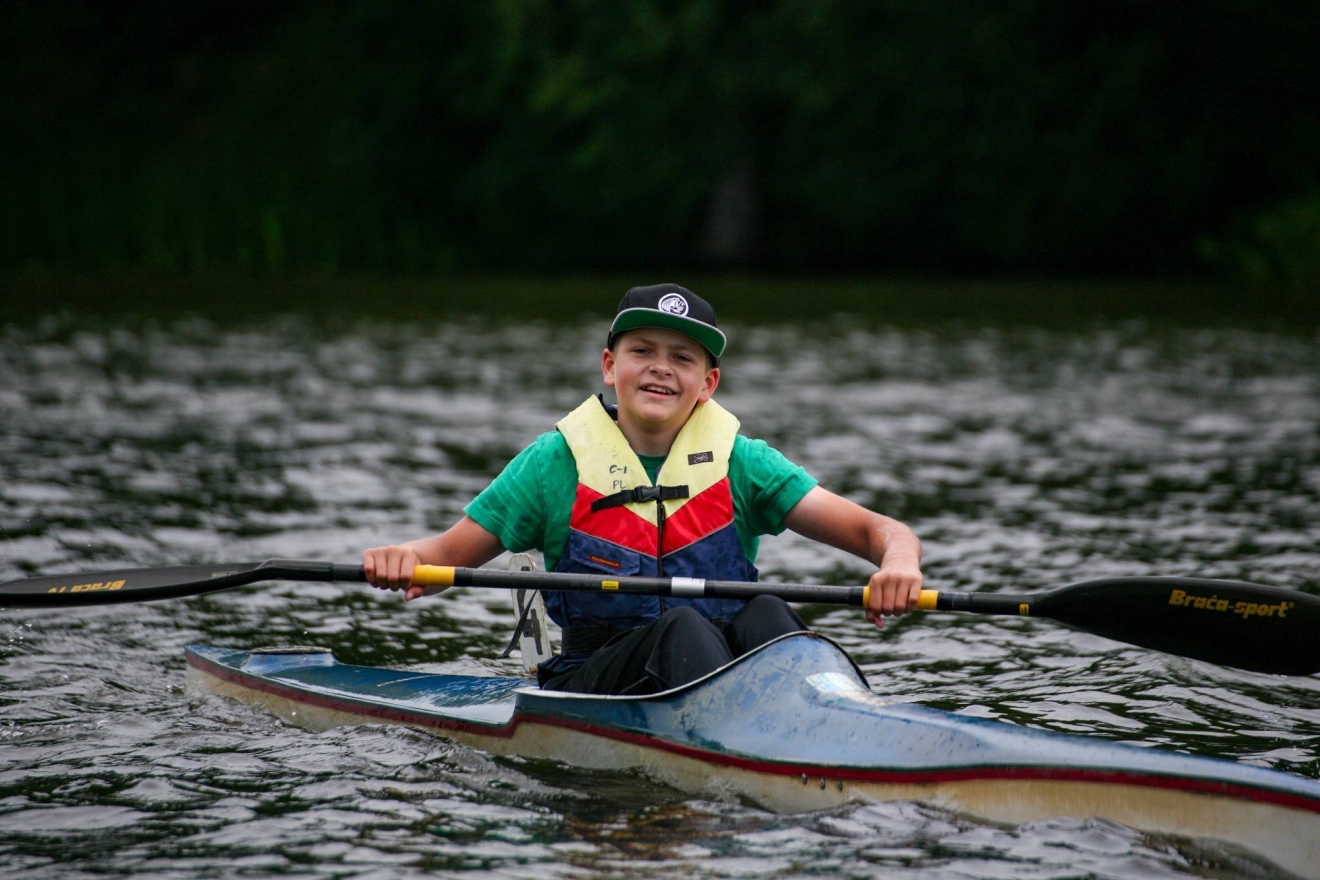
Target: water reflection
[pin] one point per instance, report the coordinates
(1025, 459)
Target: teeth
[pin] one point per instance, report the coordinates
(657, 390)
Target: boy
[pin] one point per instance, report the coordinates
(661, 485)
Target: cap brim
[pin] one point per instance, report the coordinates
(711, 338)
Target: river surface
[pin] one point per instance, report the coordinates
(1024, 458)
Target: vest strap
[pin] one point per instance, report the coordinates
(639, 494)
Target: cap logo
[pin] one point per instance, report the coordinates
(673, 303)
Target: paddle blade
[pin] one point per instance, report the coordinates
(1248, 626)
(125, 585)
(169, 582)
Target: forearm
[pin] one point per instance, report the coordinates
(463, 544)
(890, 543)
(442, 550)
(823, 516)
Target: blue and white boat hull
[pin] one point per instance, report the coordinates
(794, 726)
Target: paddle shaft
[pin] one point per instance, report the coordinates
(976, 603)
(149, 584)
(687, 588)
(1249, 626)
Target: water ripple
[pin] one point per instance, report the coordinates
(1025, 458)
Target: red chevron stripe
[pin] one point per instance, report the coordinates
(709, 512)
(706, 514)
(618, 525)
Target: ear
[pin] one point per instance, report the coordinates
(712, 382)
(607, 367)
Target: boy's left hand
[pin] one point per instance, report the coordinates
(894, 589)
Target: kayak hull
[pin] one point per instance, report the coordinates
(794, 727)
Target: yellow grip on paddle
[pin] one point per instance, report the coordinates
(433, 576)
(925, 602)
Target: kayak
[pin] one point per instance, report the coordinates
(794, 727)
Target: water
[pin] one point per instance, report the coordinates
(1025, 459)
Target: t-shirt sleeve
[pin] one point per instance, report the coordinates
(512, 507)
(769, 483)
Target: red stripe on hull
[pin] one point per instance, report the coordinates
(757, 765)
(932, 777)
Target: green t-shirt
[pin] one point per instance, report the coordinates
(528, 505)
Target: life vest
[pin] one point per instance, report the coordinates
(620, 519)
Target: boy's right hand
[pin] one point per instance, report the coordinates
(391, 568)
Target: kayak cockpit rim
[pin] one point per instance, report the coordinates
(697, 682)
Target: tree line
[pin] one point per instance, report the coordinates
(784, 136)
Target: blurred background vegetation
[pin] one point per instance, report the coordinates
(900, 137)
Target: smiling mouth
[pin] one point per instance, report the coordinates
(655, 389)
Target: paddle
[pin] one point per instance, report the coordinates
(1265, 629)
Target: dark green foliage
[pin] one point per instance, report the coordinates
(638, 135)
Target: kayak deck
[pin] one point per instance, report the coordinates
(794, 727)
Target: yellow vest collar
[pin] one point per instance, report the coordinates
(606, 463)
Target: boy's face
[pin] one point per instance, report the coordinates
(659, 376)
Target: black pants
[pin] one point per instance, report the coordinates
(681, 646)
